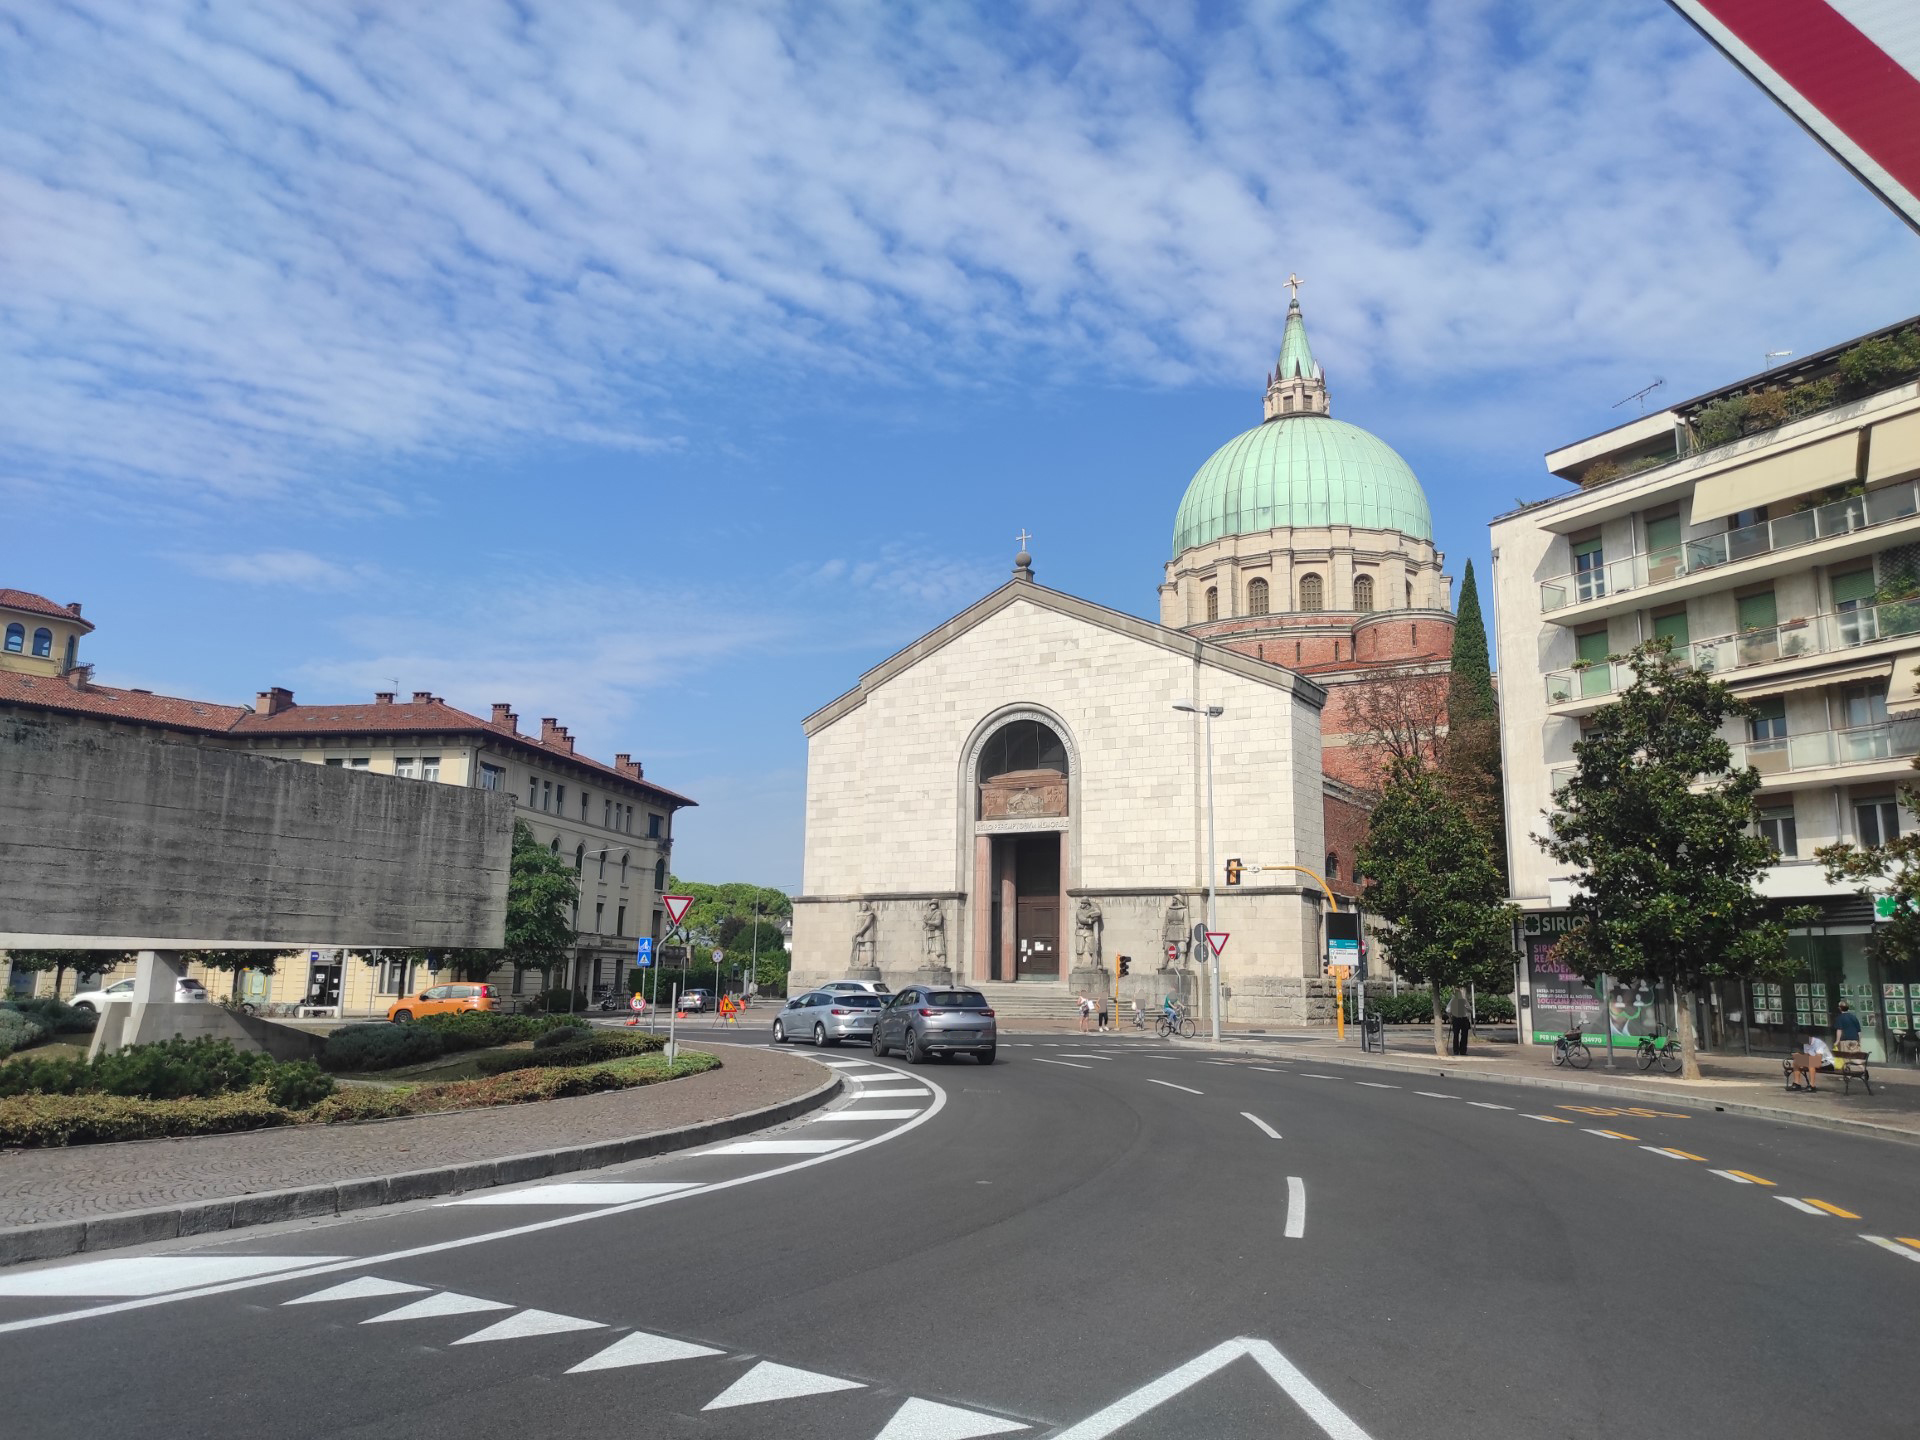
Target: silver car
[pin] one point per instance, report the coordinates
(925, 1020)
(826, 1017)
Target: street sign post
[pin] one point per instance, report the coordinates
(1216, 941)
(644, 956)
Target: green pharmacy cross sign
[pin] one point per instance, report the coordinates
(1885, 906)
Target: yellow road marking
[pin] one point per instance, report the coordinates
(1904, 1239)
(1831, 1209)
(1750, 1179)
(1618, 1136)
(1614, 1111)
(1684, 1154)
(1550, 1119)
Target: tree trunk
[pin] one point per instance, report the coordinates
(1440, 1036)
(1683, 1026)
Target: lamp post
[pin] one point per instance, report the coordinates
(1210, 712)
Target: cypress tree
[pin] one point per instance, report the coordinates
(1471, 766)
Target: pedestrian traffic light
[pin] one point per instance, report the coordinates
(1234, 867)
(1126, 966)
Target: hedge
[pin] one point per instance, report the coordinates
(175, 1069)
(590, 1050)
(85, 1119)
(536, 1082)
(479, 1029)
(1414, 1007)
(64, 1018)
(380, 1046)
(19, 1030)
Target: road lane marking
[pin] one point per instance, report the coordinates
(889, 1094)
(1898, 1247)
(1270, 1131)
(885, 1074)
(530, 1322)
(1550, 1119)
(1611, 1134)
(365, 1288)
(1801, 1205)
(310, 1266)
(1673, 1154)
(1331, 1419)
(1269, 1070)
(777, 1147)
(1171, 1086)
(1831, 1209)
(640, 1348)
(1043, 1060)
(152, 1274)
(845, 1064)
(864, 1115)
(1311, 1075)
(1376, 1085)
(1741, 1177)
(768, 1381)
(1487, 1105)
(445, 1303)
(603, 1193)
(1077, 1055)
(1296, 1207)
(1435, 1095)
(924, 1420)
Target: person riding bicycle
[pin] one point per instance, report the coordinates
(1170, 1008)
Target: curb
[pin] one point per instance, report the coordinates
(1612, 1092)
(53, 1239)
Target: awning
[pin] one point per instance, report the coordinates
(1903, 690)
(1893, 448)
(1777, 477)
(1787, 684)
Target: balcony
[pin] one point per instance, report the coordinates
(1727, 654)
(1635, 573)
(1891, 743)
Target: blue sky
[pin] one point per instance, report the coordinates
(663, 367)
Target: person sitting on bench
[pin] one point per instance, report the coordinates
(1815, 1054)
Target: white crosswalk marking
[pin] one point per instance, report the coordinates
(777, 1147)
(864, 1115)
(642, 1349)
(152, 1274)
(891, 1094)
(529, 1322)
(768, 1381)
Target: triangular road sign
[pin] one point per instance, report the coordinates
(1216, 942)
(677, 906)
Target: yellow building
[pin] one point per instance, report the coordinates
(38, 637)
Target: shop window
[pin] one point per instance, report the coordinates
(1256, 597)
(1777, 829)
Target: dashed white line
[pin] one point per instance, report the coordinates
(1296, 1207)
(1267, 1129)
(1487, 1105)
(1376, 1085)
(1078, 1055)
(1269, 1070)
(1043, 1060)
(1313, 1075)
(1894, 1245)
(1435, 1095)
(1171, 1086)
(1800, 1205)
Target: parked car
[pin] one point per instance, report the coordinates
(857, 987)
(700, 1000)
(185, 990)
(827, 1017)
(441, 1000)
(925, 1020)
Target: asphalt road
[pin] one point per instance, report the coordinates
(1098, 1235)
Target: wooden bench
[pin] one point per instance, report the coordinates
(1848, 1067)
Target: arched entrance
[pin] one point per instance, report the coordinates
(1020, 789)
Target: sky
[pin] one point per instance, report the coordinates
(663, 367)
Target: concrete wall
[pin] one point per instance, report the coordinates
(120, 837)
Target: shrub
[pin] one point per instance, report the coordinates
(560, 1001)
(298, 1086)
(381, 1046)
(478, 1029)
(1413, 1007)
(64, 1019)
(560, 1035)
(587, 1050)
(84, 1119)
(171, 1070)
(19, 1030)
(1721, 421)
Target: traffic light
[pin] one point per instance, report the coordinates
(1126, 966)
(1234, 867)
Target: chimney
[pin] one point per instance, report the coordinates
(383, 697)
(73, 608)
(79, 677)
(272, 702)
(504, 717)
(423, 697)
(627, 766)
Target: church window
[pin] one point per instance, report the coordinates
(1363, 592)
(1213, 602)
(1256, 597)
(43, 643)
(1312, 593)
(1287, 405)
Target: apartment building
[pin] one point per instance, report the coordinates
(1770, 530)
(609, 821)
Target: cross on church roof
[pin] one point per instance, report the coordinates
(1292, 282)
(1023, 537)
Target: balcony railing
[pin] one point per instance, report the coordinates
(1815, 635)
(1818, 750)
(1804, 527)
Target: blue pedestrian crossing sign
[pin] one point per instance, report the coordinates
(644, 958)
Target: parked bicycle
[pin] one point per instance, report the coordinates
(1571, 1049)
(1658, 1049)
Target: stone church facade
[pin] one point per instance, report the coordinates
(1014, 798)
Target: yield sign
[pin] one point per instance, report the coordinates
(1216, 942)
(677, 906)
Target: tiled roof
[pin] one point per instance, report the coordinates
(425, 716)
(38, 605)
(141, 707)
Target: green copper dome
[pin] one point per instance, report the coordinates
(1301, 471)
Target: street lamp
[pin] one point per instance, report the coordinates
(1211, 712)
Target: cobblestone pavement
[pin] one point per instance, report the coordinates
(93, 1180)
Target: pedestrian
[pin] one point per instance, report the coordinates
(1846, 1029)
(1086, 1013)
(1461, 1015)
(1103, 1013)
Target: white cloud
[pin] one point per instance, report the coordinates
(297, 569)
(246, 250)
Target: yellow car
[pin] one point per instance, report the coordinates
(441, 1000)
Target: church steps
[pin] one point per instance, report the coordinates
(1030, 1000)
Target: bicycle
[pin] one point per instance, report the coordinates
(1571, 1049)
(1174, 1020)
(1659, 1049)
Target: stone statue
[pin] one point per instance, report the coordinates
(933, 935)
(863, 928)
(1173, 929)
(1087, 925)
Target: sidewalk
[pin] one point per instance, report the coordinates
(93, 1197)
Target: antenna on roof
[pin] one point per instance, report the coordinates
(1766, 361)
(394, 681)
(1641, 394)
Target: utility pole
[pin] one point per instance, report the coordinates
(1211, 712)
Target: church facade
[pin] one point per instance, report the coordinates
(1016, 800)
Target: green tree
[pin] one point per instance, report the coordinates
(541, 891)
(1891, 870)
(1470, 757)
(233, 962)
(1662, 829)
(1435, 889)
(81, 962)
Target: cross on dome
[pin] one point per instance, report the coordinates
(1023, 537)
(1292, 282)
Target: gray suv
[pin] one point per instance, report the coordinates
(925, 1020)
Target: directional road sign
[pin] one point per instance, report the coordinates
(677, 906)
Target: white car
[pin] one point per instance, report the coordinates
(185, 990)
(856, 987)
